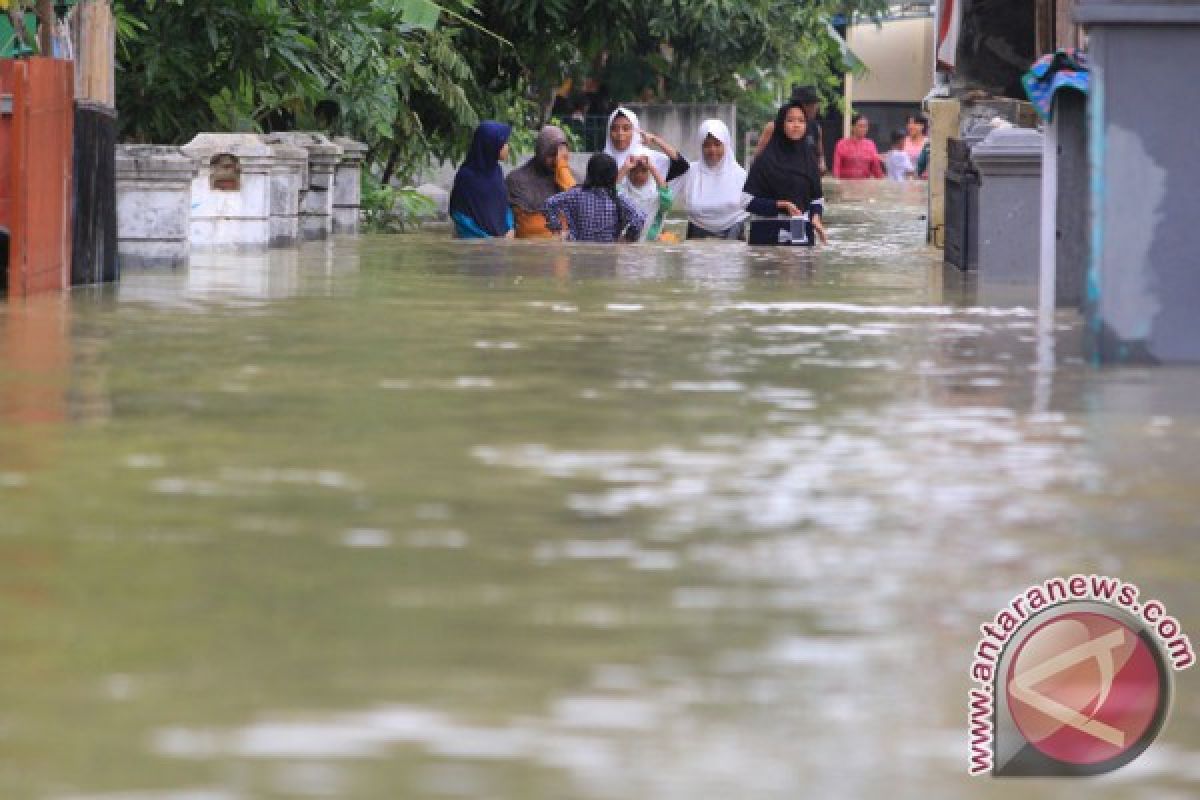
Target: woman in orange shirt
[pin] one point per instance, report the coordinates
(543, 176)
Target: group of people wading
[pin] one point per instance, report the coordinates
(629, 187)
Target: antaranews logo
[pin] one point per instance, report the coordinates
(1073, 677)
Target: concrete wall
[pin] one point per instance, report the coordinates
(678, 122)
(1143, 285)
(943, 126)
(899, 60)
(229, 192)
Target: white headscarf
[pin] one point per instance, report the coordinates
(645, 198)
(713, 196)
(636, 148)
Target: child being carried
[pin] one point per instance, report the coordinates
(645, 187)
(898, 162)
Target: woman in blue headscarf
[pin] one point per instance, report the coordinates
(479, 200)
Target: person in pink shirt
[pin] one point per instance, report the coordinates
(856, 158)
(918, 134)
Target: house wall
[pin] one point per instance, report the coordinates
(899, 60)
(678, 122)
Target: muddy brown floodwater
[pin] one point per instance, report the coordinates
(402, 517)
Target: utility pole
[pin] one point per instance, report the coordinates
(1045, 18)
(44, 10)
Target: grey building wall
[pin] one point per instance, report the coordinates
(1143, 294)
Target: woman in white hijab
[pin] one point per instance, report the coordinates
(626, 138)
(711, 190)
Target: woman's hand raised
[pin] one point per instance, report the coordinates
(660, 143)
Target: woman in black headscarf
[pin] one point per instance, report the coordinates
(806, 97)
(785, 178)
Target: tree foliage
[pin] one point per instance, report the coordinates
(686, 50)
(412, 77)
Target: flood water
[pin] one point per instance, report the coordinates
(402, 517)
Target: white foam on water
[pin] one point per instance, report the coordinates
(707, 386)
(145, 461)
(366, 538)
(854, 308)
(472, 382)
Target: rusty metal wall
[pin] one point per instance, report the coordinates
(36, 157)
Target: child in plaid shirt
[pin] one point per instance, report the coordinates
(595, 212)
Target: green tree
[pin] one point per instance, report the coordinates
(413, 77)
(699, 50)
(379, 70)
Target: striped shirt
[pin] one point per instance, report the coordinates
(592, 215)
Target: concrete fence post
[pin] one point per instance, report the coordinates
(347, 185)
(154, 205)
(231, 193)
(1009, 161)
(289, 174)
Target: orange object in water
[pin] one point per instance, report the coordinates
(37, 119)
(531, 225)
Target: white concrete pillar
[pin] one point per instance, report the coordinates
(316, 201)
(347, 185)
(154, 197)
(289, 174)
(231, 193)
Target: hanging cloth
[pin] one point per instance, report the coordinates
(1063, 69)
(949, 18)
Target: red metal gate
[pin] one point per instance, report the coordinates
(36, 129)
